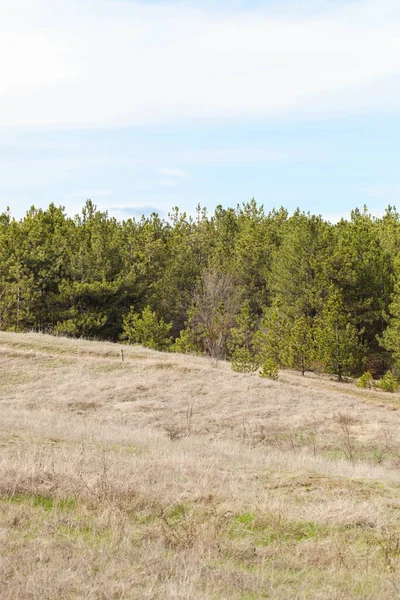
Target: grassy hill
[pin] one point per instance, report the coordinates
(166, 477)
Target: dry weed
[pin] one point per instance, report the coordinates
(128, 480)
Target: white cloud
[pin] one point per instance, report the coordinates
(178, 173)
(334, 217)
(237, 155)
(91, 63)
(136, 211)
(91, 194)
(168, 183)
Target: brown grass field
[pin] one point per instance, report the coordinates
(166, 477)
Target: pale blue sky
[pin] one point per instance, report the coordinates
(142, 106)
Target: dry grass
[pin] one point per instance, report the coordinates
(165, 477)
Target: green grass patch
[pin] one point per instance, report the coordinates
(177, 513)
(245, 519)
(146, 518)
(266, 530)
(45, 502)
(86, 533)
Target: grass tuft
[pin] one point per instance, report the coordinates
(165, 477)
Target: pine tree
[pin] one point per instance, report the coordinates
(271, 339)
(337, 338)
(390, 339)
(299, 351)
(240, 344)
(298, 278)
(146, 329)
(256, 241)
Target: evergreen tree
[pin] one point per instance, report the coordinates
(298, 278)
(337, 339)
(80, 276)
(186, 251)
(390, 339)
(271, 340)
(258, 237)
(146, 329)
(299, 351)
(361, 269)
(240, 344)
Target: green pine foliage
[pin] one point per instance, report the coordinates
(253, 287)
(242, 333)
(243, 361)
(188, 341)
(272, 336)
(241, 346)
(269, 369)
(337, 340)
(388, 383)
(366, 381)
(299, 278)
(362, 270)
(146, 329)
(299, 350)
(390, 339)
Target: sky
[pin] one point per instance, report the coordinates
(146, 105)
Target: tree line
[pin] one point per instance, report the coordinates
(258, 288)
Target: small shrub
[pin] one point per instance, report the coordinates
(347, 442)
(388, 383)
(269, 369)
(67, 328)
(175, 432)
(186, 343)
(390, 550)
(382, 451)
(147, 330)
(243, 362)
(366, 381)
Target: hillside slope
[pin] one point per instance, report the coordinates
(166, 477)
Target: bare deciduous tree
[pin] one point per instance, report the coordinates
(217, 301)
